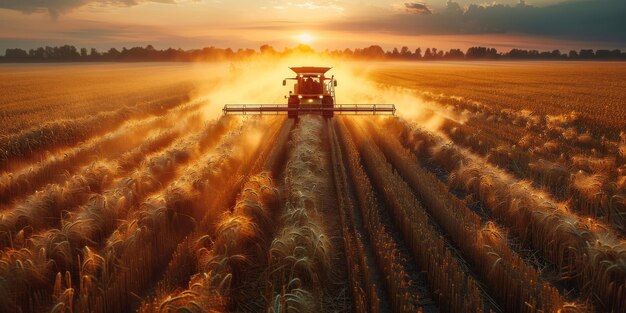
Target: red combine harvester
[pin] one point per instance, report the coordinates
(313, 93)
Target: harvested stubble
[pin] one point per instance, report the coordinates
(299, 254)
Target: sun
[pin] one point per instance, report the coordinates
(305, 38)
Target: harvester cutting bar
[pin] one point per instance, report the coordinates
(347, 109)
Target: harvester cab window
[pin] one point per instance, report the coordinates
(311, 85)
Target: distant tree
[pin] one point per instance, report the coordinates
(228, 53)
(66, 53)
(267, 49)
(302, 48)
(418, 53)
(70, 53)
(616, 53)
(405, 52)
(395, 53)
(586, 54)
(545, 55)
(244, 53)
(16, 54)
(428, 54)
(481, 53)
(556, 54)
(456, 54)
(112, 54)
(608, 54)
(38, 54)
(517, 54)
(49, 52)
(373, 52)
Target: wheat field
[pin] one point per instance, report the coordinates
(498, 187)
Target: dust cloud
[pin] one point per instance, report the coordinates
(259, 81)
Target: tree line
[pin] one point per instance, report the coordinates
(68, 53)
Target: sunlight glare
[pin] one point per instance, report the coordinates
(305, 38)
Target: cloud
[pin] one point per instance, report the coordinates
(600, 20)
(58, 7)
(417, 8)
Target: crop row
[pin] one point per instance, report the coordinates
(590, 181)
(56, 249)
(185, 270)
(582, 250)
(142, 245)
(127, 136)
(515, 283)
(70, 132)
(46, 207)
(384, 246)
(457, 290)
(242, 237)
(536, 115)
(58, 246)
(299, 255)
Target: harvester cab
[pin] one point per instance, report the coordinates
(312, 89)
(313, 93)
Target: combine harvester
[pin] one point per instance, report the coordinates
(313, 93)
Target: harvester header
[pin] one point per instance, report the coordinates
(313, 93)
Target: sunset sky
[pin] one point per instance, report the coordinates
(505, 24)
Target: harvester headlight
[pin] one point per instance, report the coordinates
(321, 97)
(299, 96)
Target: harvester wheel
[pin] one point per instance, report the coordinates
(327, 103)
(293, 103)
